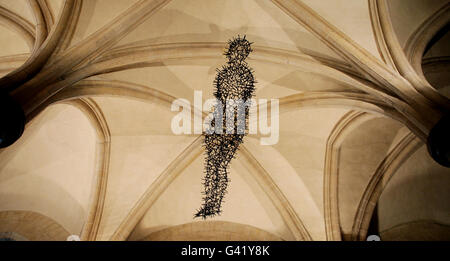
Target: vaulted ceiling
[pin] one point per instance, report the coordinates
(98, 158)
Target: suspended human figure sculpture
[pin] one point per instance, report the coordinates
(234, 86)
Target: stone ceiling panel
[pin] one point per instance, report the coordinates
(20, 7)
(96, 14)
(218, 21)
(408, 15)
(52, 169)
(12, 43)
(352, 17)
(183, 197)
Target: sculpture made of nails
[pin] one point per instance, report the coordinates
(234, 82)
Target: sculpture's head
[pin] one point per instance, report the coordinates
(238, 49)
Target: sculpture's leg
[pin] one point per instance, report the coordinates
(220, 150)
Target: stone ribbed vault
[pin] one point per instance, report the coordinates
(336, 66)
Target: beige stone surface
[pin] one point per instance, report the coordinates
(407, 15)
(359, 156)
(418, 192)
(29, 225)
(98, 159)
